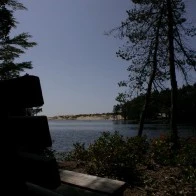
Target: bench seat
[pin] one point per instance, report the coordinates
(93, 183)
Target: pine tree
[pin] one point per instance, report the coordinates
(12, 47)
(154, 33)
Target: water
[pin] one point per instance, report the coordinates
(66, 132)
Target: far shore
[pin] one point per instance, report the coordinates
(103, 116)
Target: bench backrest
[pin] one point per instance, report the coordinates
(27, 136)
(22, 92)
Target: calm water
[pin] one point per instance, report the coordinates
(66, 132)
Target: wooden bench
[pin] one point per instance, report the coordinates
(30, 131)
(93, 183)
(35, 190)
(29, 171)
(27, 137)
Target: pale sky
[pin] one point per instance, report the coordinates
(75, 61)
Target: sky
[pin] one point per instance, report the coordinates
(76, 63)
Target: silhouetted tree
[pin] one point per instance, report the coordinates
(116, 110)
(122, 99)
(154, 33)
(12, 47)
(33, 111)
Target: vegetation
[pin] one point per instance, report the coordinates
(153, 165)
(154, 32)
(159, 106)
(12, 47)
(103, 116)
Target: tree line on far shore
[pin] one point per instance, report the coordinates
(159, 106)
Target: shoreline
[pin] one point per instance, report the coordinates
(104, 116)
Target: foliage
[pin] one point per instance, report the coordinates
(111, 155)
(128, 159)
(138, 147)
(189, 174)
(155, 34)
(121, 107)
(169, 181)
(48, 152)
(161, 150)
(79, 153)
(12, 48)
(139, 32)
(187, 153)
(160, 103)
(33, 111)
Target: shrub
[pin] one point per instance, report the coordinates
(189, 174)
(187, 153)
(109, 156)
(138, 147)
(112, 155)
(162, 151)
(79, 153)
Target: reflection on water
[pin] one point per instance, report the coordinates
(66, 132)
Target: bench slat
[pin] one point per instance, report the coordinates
(21, 92)
(31, 132)
(35, 190)
(90, 182)
(40, 170)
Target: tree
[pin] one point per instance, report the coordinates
(154, 33)
(122, 99)
(160, 103)
(33, 111)
(12, 47)
(116, 110)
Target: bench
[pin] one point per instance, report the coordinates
(28, 170)
(93, 183)
(26, 138)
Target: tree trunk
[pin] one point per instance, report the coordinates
(152, 77)
(174, 88)
(146, 103)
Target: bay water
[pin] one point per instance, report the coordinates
(65, 133)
